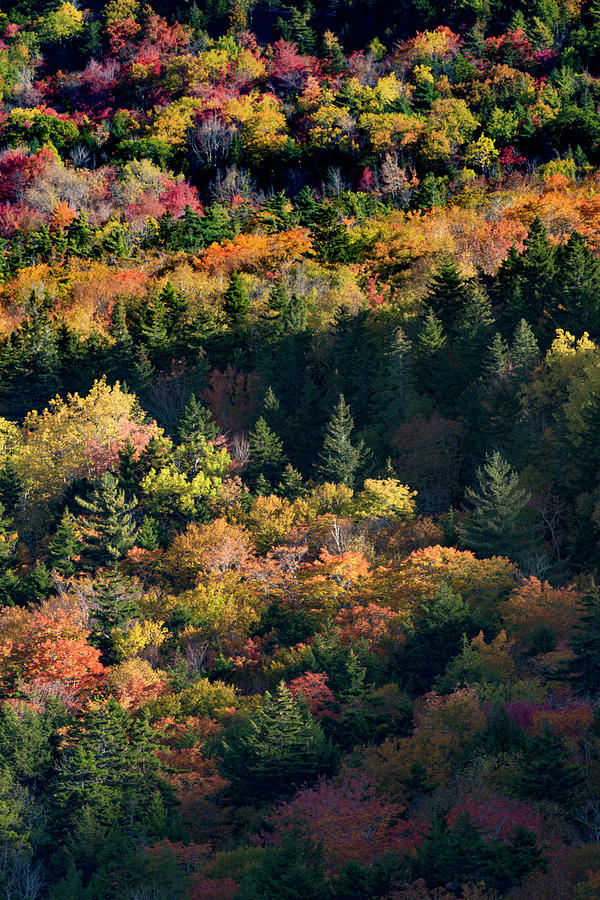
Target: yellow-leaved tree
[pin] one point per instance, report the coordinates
(74, 438)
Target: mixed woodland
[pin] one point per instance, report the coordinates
(300, 450)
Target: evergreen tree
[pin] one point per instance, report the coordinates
(577, 286)
(175, 306)
(496, 524)
(396, 385)
(65, 545)
(508, 290)
(546, 772)
(538, 273)
(291, 485)
(196, 422)
(524, 351)
(291, 869)
(473, 334)
(497, 359)
(106, 522)
(235, 302)
(431, 355)
(154, 327)
(122, 357)
(447, 293)
(340, 458)
(148, 534)
(10, 486)
(266, 452)
(584, 667)
(278, 748)
(115, 604)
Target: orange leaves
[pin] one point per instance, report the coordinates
(49, 656)
(313, 686)
(252, 252)
(483, 581)
(534, 604)
(202, 549)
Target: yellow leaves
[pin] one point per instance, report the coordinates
(169, 490)
(59, 443)
(201, 549)
(269, 520)
(567, 379)
(385, 498)
(219, 609)
(262, 123)
(250, 252)
(331, 126)
(62, 24)
(137, 637)
(171, 123)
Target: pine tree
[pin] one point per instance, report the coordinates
(175, 306)
(266, 452)
(106, 522)
(546, 772)
(291, 485)
(577, 286)
(122, 357)
(279, 748)
(65, 545)
(473, 334)
(538, 272)
(447, 293)
(154, 327)
(115, 604)
(196, 422)
(235, 302)
(584, 668)
(507, 291)
(497, 359)
(496, 506)
(10, 486)
(340, 458)
(148, 534)
(524, 351)
(432, 355)
(397, 383)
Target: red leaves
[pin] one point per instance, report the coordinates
(350, 820)
(313, 686)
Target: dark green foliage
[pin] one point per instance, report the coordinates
(435, 638)
(277, 748)
(447, 294)
(236, 303)
(115, 605)
(451, 856)
(294, 868)
(196, 422)
(496, 526)
(65, 545)
(340, 458)
(584, 667)
(106, 520)
(547, 772)
(266, 452)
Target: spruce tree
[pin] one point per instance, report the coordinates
(546, 772)
(291, 485)
(235, 302)
(431, 354)
(397, 383)
(447, 293)
(538, 273)
(122, 357)
(340, 458)
(107, 520)
(524, 351)
(175, 306)
(507, 289)
(496, 362)
(473, 334)
(65, 545)
(10, 486)
(496, 505)
(115, 604)
(196, 422)
(266, 452)
(277, 749)
(584, 667)
(577, 286)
